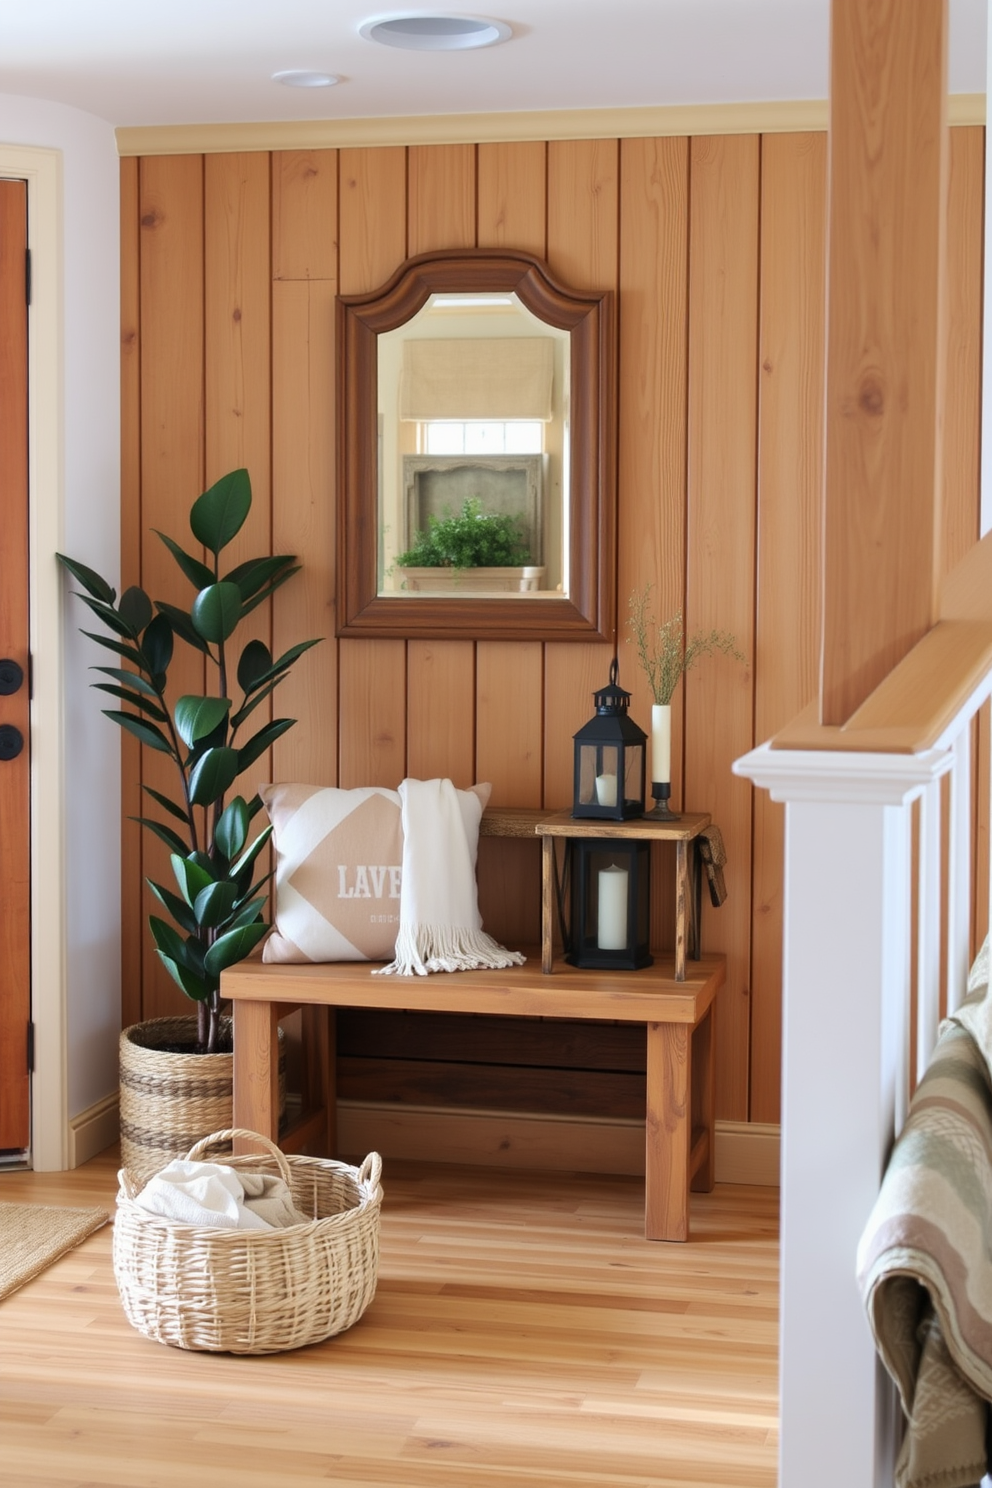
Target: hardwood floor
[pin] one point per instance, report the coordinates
(523, 1335)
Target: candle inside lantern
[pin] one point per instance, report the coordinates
(606, 790)
(661, 743)
(611, 926)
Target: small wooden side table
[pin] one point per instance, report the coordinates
(645, 829)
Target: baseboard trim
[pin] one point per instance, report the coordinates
(93, 1130)
(746, 1152)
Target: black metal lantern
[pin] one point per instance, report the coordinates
(610, 903)
(610, 759)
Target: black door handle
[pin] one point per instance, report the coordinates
(11, 677)
(11, 741)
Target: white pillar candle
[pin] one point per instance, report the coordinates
(606, 790)
(661, 743)
(611, 929)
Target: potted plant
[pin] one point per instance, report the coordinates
(474, 551)
(665, 656)
(216, 917)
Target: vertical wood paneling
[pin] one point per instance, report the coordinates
(305, 214)
(512, 196)
(372, 693)
(132, 923)
(654, 208)
(237, 349)
(172, 452)
(790, 481)
(583, 200)
(723, 314)
(962, 400)
(372, 239)
(508, 688)
(441, 200)
(441, 674)
(440, 691)
(304, 251)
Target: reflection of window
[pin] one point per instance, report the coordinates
(483, 437)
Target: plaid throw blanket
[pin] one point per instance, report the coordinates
(925, 1259)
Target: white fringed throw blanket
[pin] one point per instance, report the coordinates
(440, 925)
(925, 1259)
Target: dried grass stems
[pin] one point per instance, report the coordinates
(663, 651)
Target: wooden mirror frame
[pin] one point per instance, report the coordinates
(587, 612)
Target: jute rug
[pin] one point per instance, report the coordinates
(32, 1236)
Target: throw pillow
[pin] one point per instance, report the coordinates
(338, 869)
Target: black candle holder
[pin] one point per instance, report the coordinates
(661, 790)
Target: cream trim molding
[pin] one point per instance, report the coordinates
(746, 1152)
(781, 117)
(94, 1130)
(42, 169)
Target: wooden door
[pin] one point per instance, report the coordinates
(15, 899)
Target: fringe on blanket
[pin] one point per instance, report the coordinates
(421, 949)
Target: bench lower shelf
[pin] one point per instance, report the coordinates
(677, 1016)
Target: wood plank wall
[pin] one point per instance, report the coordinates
(716, 247)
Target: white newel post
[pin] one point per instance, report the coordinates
(845, 981)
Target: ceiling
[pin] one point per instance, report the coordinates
(210, 61)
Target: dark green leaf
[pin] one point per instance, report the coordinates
(190, 877)
(250, 576)
(198, 573)
(110, 617)
(214, 904)
(213, 775)
(165, 834)
(130, 679)
(193, 986)
(130, 653)
(168, 805)
(181, 624)
(219, 514)
(206, 862)
(232, 828)
(167, 939)
(196, 717)
(270, 589)
(195, 953)
(135, 699)
(247, 858)
(146, 732)
(135, 608)
(237, 719)
(256, 659)
(248, 913)
(216, 612)
(254, 806)
(178, 908)
(259, 743)
(233, 947)
(283, 663)
(90, 580)
(156, 644)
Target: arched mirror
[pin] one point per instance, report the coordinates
(476, 453)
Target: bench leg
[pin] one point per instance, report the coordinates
(703, 1071)
(667, 1132)
(256, 1068)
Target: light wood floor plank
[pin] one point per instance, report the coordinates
(523, 1335)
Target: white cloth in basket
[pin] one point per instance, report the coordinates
(440, 925)
(207, 1193)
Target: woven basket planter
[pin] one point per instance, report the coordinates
(254, 1291)
(171, 1101)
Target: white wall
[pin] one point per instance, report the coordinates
(88, 527)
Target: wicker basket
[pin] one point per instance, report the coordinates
(254, 1291)
(168, 1100)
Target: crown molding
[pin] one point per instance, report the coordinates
(783, 117)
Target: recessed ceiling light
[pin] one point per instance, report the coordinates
(435, 33)
(298, 77)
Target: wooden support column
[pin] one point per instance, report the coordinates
(887, 194)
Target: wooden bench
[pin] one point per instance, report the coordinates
(678, 1017)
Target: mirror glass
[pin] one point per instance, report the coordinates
(473, 451)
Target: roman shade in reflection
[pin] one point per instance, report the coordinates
(509, 378)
